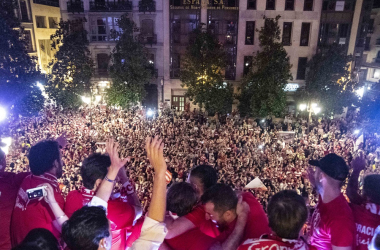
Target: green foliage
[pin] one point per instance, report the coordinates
(262, 91)
(18, 71)
(201, 73)
(130, 70)
(328, 80)
(72, 67)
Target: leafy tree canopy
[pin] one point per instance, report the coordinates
(262, 91)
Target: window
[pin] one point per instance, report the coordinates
(178, 102)
(104, 29)
(301, 71)
(289, 4)
(249, 32)
(247, 64)
(176, 31)
(103, 59)
(271, 5)
(46, 53)
(287, 34)
(53, 23)
(367, 43)
(24, 12)
(40, 22)
(175, 66)
(305, 33)
(251, 4)
(147, 27)
(376, 73)
(308, 5)
(28, 41)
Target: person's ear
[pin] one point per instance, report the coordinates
(103, 244)
(97, 184)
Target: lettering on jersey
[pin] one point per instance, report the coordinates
(22, 199)
(365, 230)
(364, 234)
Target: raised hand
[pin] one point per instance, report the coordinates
(242, 208)
(358, 164)
(112, 150)
(62, 140)
(155, 151)
(49, 198)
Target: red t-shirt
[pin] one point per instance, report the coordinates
(193, 239)
(31, 214)
(367, 219)
(257, 221)
(120, 213)
(9, 185)
(332, 224)
(273, 242)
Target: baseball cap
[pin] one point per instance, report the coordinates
(332, 165)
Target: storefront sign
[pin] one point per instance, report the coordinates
(291, 87)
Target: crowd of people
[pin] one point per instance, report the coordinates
(230, 151)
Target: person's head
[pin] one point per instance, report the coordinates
(39, 239)
(202, 177)
(375, 243)
(287, 214)
(94, 169)
(371, 188)
(331, 172)
(181, 199)
(220, 204)
(87, 229)
(45, 157)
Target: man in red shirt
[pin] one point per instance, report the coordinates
(9, 185)
(123, 208)
(220, 206)
(366, 208)
(332, 224)
(46, 166)
(287, 214)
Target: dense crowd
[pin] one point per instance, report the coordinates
(237, 149)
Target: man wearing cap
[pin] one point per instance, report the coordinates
(366, 208)
(332, 224)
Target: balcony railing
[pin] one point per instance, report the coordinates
(75, 6)
(147, 39)
(378, 42)
(47, 2)
(147, 6)
(115, 6)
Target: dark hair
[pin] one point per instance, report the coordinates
(42, 156)
(223, 197)
(85, 228)
(376, 241)
(94, 167)
(287, 214)
(39, 239)
(206, 174)
(371, 187)
(181, 198)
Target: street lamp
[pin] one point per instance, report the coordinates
(311, 108)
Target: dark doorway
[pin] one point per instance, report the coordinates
(151, 97)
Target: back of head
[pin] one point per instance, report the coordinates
(86, 228)
(371, 188)
(375, 243)
(206, 174)
(287, 214)
(94, 167)
(181, 198)
(42, 156)
(39, 239)
(222, 196)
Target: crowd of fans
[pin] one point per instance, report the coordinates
(227, 150)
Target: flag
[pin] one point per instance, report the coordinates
(168, 177)
(256, 184)
(358, 142)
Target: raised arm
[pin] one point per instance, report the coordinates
(358, 164)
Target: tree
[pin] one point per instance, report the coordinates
(201, 73)
(262, 90)
(328, 80)
(130, 70)
(72, 67)
(18, 71)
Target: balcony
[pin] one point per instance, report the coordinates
(47, 2)
(147, 39)
(147, 6)
(378, 42)
(112, 6)
(75, 6)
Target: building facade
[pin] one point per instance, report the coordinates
(40, 19)
(371, 59)
(102, 17)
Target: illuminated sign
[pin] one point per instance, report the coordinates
(291, 87)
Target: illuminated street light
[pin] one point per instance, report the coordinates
(360, 92)
(86, 100)
(7, 141)
(356, 131)
(303, 107)
(98, 98)
(316, 110)
(3, 114)
(149, 113)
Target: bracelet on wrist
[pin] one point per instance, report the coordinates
(109, 180)
(60, 217)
